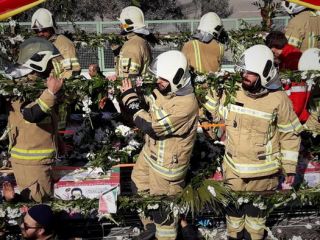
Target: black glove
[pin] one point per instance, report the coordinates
(131, 101)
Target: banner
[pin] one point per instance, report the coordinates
(9, 8)
(314, 4)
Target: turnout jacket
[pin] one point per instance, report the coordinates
(303, 30)
(134, 58)
(69, 61)
(262, 133)
(204, 57)
(170, 130)
(33, 130)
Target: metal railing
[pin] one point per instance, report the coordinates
(104, 56)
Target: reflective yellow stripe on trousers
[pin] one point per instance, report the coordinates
(252, 168)
(24, 154)
(165, 232)
(172, 174)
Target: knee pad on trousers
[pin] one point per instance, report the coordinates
(255, 227)
(166, 232)
(235, 226)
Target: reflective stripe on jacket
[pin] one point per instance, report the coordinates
(70, 62)
(134, 58)
(303, 30)
(204, 57)
(170, 131)
(262, 133)
(33, 143)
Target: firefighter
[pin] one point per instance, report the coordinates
(205, 52)
(304, 28)
(33, 124)
(170, 132)
(262, 138)
(310, 61)
(135, 55)
(43, 24)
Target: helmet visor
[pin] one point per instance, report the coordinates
(240, 66)
(153, 68)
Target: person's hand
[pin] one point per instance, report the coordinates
(290, 179)
(111, 78)
(126, 85)
(183, 223)
(8, 191)
(54, 84)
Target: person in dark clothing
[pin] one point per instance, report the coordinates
(286, 55)
(188, 231)
(38, 223)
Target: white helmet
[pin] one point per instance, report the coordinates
(34, 55)
(210, 23)
(131, 18)
(173, 67)
(259, 59)
(292, 8)
(310, 60)
(36, 52)
(41, 19)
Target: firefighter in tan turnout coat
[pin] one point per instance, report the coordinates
(204, 53)
(303, 29)
(33, 124)
(262, 138)
(43, 24)
(170, 131)
(135, 54)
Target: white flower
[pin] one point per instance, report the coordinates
(294, 196)
(86, 101)
(246, 200)
(90, 155)
(12, 222)
(304, 75)
(279, 230)
(220, 74)
(134, 143)
(200, 79)
(123, 131)
(83, 44)
(153, 207)
(128, 149)
(261, 206)
(308, 226)
(212, 191)
(317, 222)
(13, 213)
(240, 200)
(16, 92)
(219, 169)
(2, 213)
(12, 23)
(3, 49)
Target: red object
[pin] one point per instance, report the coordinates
(299, 95)
(314, 4)
(9, 5)
(9, 8)
(289, 58)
